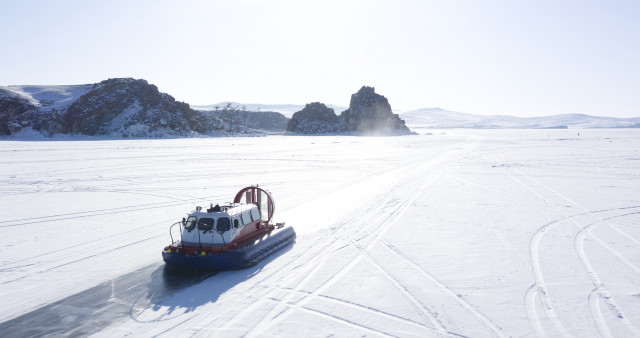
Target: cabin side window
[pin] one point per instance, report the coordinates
(205, 224)
(246, 218)
(255, 214)
(224, 224)
(236, 223)
(190, 224)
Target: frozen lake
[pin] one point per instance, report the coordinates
(459, 232)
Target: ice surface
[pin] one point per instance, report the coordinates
(461, 232)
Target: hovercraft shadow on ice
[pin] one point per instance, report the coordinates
(231, 236)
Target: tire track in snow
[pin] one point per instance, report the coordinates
(488, 322)
(532, 312)
(579, 245)
(596, 280)
(586, 231)
(408, 194)
(385, 226)
(277, 315)
(294, 306)
(540, 286)
(318, 258)
(71, 259)
(596, 313)
(380, 228)
(101, 212)
(403, 289)
(535, 290)
(311, 265)
(368, 309)
(386, 221)
(312, 261)
(84, 246)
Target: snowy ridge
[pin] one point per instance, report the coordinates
(438, 118)
(48, 97)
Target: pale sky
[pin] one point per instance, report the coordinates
(522, 58)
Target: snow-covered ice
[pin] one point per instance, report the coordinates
(459, 232)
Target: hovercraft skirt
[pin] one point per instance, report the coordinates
(237, 258)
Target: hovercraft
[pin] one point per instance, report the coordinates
(230, 236)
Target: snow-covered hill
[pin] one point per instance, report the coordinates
(47, 97)
(438, 118)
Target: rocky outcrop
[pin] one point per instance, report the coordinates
(132, 108)
(116, 107)
(242, 121)
(370, 113)
(264, 120)
(10, 109)
(315, 118)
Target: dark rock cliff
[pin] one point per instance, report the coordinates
(315, 118)
(368, 113)
(10, 109)
(133, 108)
